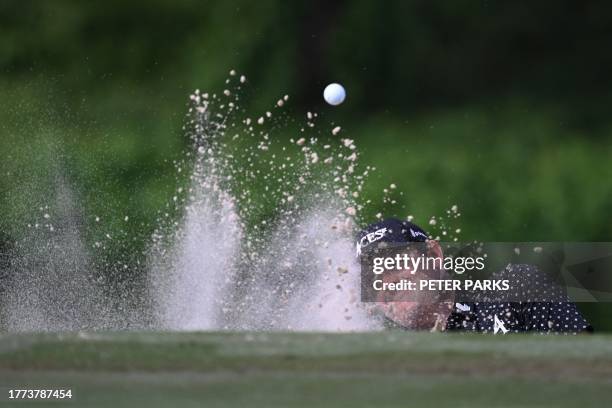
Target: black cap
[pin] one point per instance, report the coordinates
(390, 230)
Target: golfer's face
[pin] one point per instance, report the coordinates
(400, 306)
(406, 307)
(408, 274)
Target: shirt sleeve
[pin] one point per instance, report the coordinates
(557, 317)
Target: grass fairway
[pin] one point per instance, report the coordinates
(309, 370)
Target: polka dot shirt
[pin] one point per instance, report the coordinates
(558, 317)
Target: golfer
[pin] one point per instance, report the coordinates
(443, 313)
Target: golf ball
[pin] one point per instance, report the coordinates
(334, 94)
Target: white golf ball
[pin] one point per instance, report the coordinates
(334, 94)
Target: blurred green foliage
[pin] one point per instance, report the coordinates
(499, 107)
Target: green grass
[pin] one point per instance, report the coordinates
(324, 370)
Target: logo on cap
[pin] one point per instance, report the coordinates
(369, 238)
(417, 234)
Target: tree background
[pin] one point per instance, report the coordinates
(502, 108)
